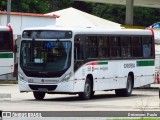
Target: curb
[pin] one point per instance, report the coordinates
(8, 81)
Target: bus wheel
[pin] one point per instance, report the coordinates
(39, 95)
(87, 90)
(92, 94)
(128, 90)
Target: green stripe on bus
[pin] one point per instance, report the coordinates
(102, 63)
(145, 63)
(6, 55)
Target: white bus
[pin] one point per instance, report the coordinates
(6, 50)
(84, 60)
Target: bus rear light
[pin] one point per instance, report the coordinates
(152, 31)
(158, 78)
(10, 28)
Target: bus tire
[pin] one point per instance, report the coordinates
(39, 95)
(128, 90)
(87, 90)
(92, 94)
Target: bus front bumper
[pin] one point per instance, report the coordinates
(60, 87)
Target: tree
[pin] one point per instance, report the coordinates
(84, 6)
(60, 4)
(110, 12)
(53, 5)
(146, 16)
(3, 5)
(31, 6)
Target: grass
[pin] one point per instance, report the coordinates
(138, 119)
(8, 82)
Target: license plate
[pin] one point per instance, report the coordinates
(42, 89)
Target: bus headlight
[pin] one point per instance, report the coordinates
(20, 76)
(66, 78)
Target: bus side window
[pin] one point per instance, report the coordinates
(91, 47)
(137, 46)
(126, 47)
(114, 47)
(103, 47)
(146, 44)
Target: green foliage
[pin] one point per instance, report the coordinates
(83, 6)
(145, 16)
(31, 6)
(3, 5)
(62, 4)
(114, 13)
(138, 119)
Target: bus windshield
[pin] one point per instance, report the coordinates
(49, 57)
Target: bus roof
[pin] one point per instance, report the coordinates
(4, 28)
(77, 30)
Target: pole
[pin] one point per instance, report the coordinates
(129, 12)
(8, 11)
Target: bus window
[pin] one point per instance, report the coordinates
(103, 47)
(91, 47)
(146, 44)
(137, 47)
(114, 47)
(5, 41)
(125, 46)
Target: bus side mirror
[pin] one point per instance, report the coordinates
(15, 48)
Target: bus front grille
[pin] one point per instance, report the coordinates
(39, 87)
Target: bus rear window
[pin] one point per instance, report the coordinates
(5, 41)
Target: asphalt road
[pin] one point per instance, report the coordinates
(142, 99)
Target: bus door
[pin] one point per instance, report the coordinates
(78, 52)
(79, 62)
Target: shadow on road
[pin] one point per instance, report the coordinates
(99, 97)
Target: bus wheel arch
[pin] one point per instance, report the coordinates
(90, 76)
(132, 76)
(129, 86)
(88, 88)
